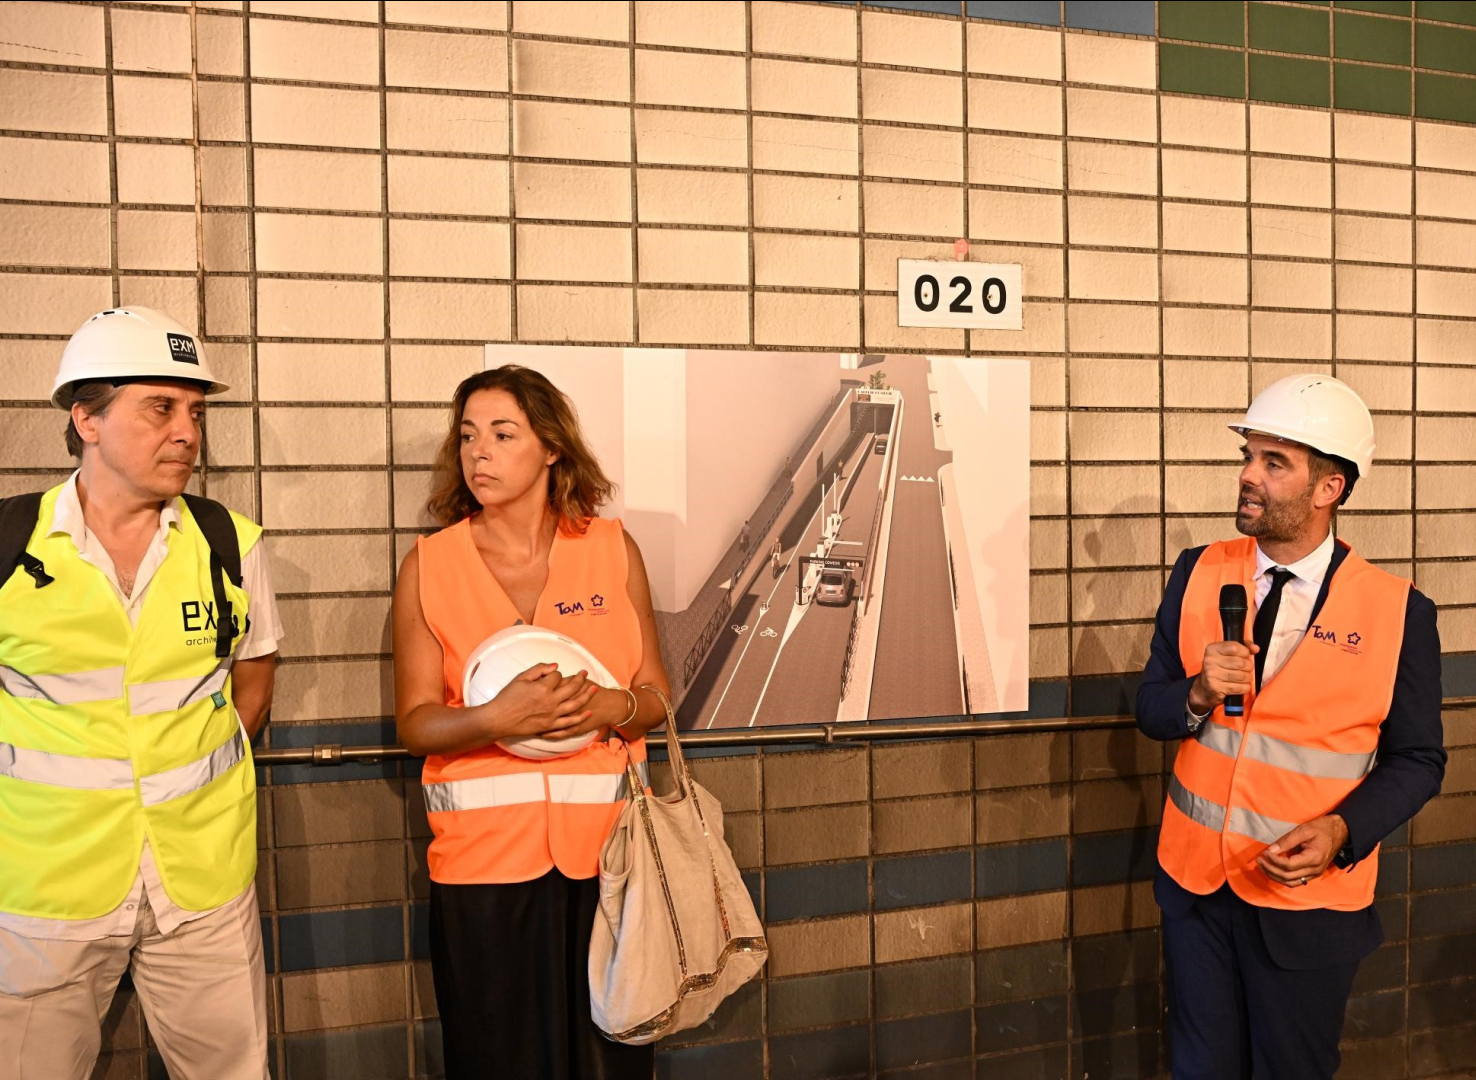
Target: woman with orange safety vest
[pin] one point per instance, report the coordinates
(514, 860)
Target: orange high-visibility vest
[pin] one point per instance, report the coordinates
(1306, 740)
(496, 817)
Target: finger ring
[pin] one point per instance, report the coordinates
(1304, 881)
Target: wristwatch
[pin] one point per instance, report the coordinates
(1344, 860)
(1193, 719)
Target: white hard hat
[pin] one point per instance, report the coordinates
(506, 655)
(1316, 411)
(131, 343)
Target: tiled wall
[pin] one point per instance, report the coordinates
(347, 199)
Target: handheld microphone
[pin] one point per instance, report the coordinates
(1232, 623)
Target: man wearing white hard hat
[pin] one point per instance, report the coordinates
(1304, 684)
(138, 639)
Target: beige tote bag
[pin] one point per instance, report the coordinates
(676, 932)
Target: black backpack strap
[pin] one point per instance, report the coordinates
(18, 516)
(220, 533)
(215, 522)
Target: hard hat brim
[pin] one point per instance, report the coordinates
(1297, 439)
(61, 396)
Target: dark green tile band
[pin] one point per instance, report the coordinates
(1445, 97)
(1291, 81)
(1191, 69)
(1220, 22)
(1364, 37)
(1445, 48)
(1368, 32)
(1288, 29)
(1371, 89)
(1461, 11)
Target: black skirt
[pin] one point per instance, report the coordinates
(511, 970)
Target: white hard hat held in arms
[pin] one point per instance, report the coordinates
(131, 343)
(510, 652)
(1316, 411)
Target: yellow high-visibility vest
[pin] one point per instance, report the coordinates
(111, 733)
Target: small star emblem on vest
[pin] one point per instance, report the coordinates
(1354, 638)
(597, 600)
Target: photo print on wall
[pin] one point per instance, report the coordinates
(829, 537)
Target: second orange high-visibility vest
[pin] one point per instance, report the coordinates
(1306, 740)
(499, 818)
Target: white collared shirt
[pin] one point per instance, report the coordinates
(1298, 596)
(261, 637)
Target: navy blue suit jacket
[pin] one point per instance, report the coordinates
(1409, 769)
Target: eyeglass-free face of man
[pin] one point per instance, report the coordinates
(144, 445)
(1284, 503)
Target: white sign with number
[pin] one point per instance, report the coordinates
(981, 296)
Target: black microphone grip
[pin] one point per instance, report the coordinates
(1233, 604)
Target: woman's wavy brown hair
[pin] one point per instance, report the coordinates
(577, 486)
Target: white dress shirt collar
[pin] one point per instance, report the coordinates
(67, 517)
(1311, 568)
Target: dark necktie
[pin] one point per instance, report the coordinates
(1266, 618)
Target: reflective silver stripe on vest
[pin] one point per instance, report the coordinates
(1308, 762)
(65, 770)
(77, 688)
(115, 774)
(1196, 808)
(1280, 754)
(483, 792)
(173, 783)
(1211, 815)
(592, 789)
(1219, 738)
(1258, 826)
(167, 695)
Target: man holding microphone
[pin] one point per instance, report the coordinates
(1302, 748)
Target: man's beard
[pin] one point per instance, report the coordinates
(1279, 519)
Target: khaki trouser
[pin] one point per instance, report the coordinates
(202, 988)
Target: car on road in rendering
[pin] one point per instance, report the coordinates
(834, 587)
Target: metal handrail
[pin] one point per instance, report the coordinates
(336, 754)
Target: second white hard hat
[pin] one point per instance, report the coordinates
(510, 652)
(1317, 411)
(131, 343)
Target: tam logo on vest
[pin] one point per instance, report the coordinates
(596, 606)
(1349, 643)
